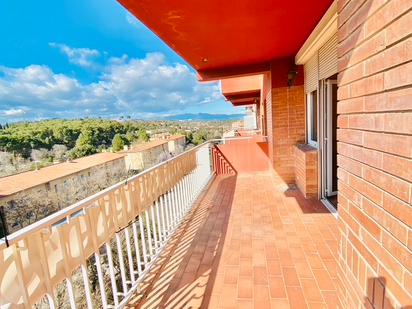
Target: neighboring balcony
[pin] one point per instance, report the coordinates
(213, 227)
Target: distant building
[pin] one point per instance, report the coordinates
(57, 186)
(148, 154)
(176, 144)
(32, 195)
(249, 120)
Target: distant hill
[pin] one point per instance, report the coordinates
(203, 117)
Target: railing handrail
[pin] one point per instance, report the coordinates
(62, 214)
(78, 206)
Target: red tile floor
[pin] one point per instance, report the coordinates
(248, 244)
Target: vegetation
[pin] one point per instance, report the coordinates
(85, 136)
(31, 145)
(117, 143)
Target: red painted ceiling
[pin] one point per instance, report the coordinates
(217, 35)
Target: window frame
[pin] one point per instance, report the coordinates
(309, 118)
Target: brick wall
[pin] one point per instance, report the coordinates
(306, 170)
(375, 152)
(288, 125)
(285, 116)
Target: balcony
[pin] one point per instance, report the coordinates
(203, 229)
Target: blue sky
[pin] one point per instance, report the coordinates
(78, 58)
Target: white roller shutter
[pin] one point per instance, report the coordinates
(311, 74)
(328, 58)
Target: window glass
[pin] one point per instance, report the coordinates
(312, 118)
(314, 109)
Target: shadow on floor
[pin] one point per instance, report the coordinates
(308, 206)
(186, 272)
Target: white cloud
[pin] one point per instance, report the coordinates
(14, 112)
(82, 57)
(133, 20)
(126, 86)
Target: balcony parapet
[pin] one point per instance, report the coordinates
(110, 239)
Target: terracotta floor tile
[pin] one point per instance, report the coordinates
(296, 298)
(277, 287)
(259, 258)
(323, 279)
(260, 275)
(279, 303)
(245, 287)
(244, 304)
(228, 296)
(231, 275)
(261, 297)
(246, 267)
(290, 275)
(314, 305)
(303, 270)
(243, 248)
(331, 298)
(311, 290)
(274, 268)
(315, 261)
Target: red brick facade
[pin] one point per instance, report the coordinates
(285, 117)
(288, 125)
(374, 152)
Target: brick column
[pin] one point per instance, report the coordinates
(286, 117)
(375, 152)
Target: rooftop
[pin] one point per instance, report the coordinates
(15, 183)
(152, 144)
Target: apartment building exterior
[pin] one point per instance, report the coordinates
(60, 184)
(314, 213)
(145, 155)
(336, 108)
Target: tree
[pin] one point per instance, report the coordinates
(199, 137)
(84, 145)
(143, 136)
(189, 137)
(117, 143)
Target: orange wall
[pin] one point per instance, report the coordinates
(241, 84)
(246, 155)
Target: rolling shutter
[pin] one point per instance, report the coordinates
(311, 74)
(328, 58)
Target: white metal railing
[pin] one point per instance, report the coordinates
(96, 252)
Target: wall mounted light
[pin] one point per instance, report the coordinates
(291, 77)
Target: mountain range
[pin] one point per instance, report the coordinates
(203, 117)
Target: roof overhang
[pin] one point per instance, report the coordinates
(323, 31)
(245, 102)
(244, 90)
(223, 39)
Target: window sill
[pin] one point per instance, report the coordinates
(306, 147)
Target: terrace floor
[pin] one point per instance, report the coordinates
(249, 243)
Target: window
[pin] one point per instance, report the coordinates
(312, 122)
